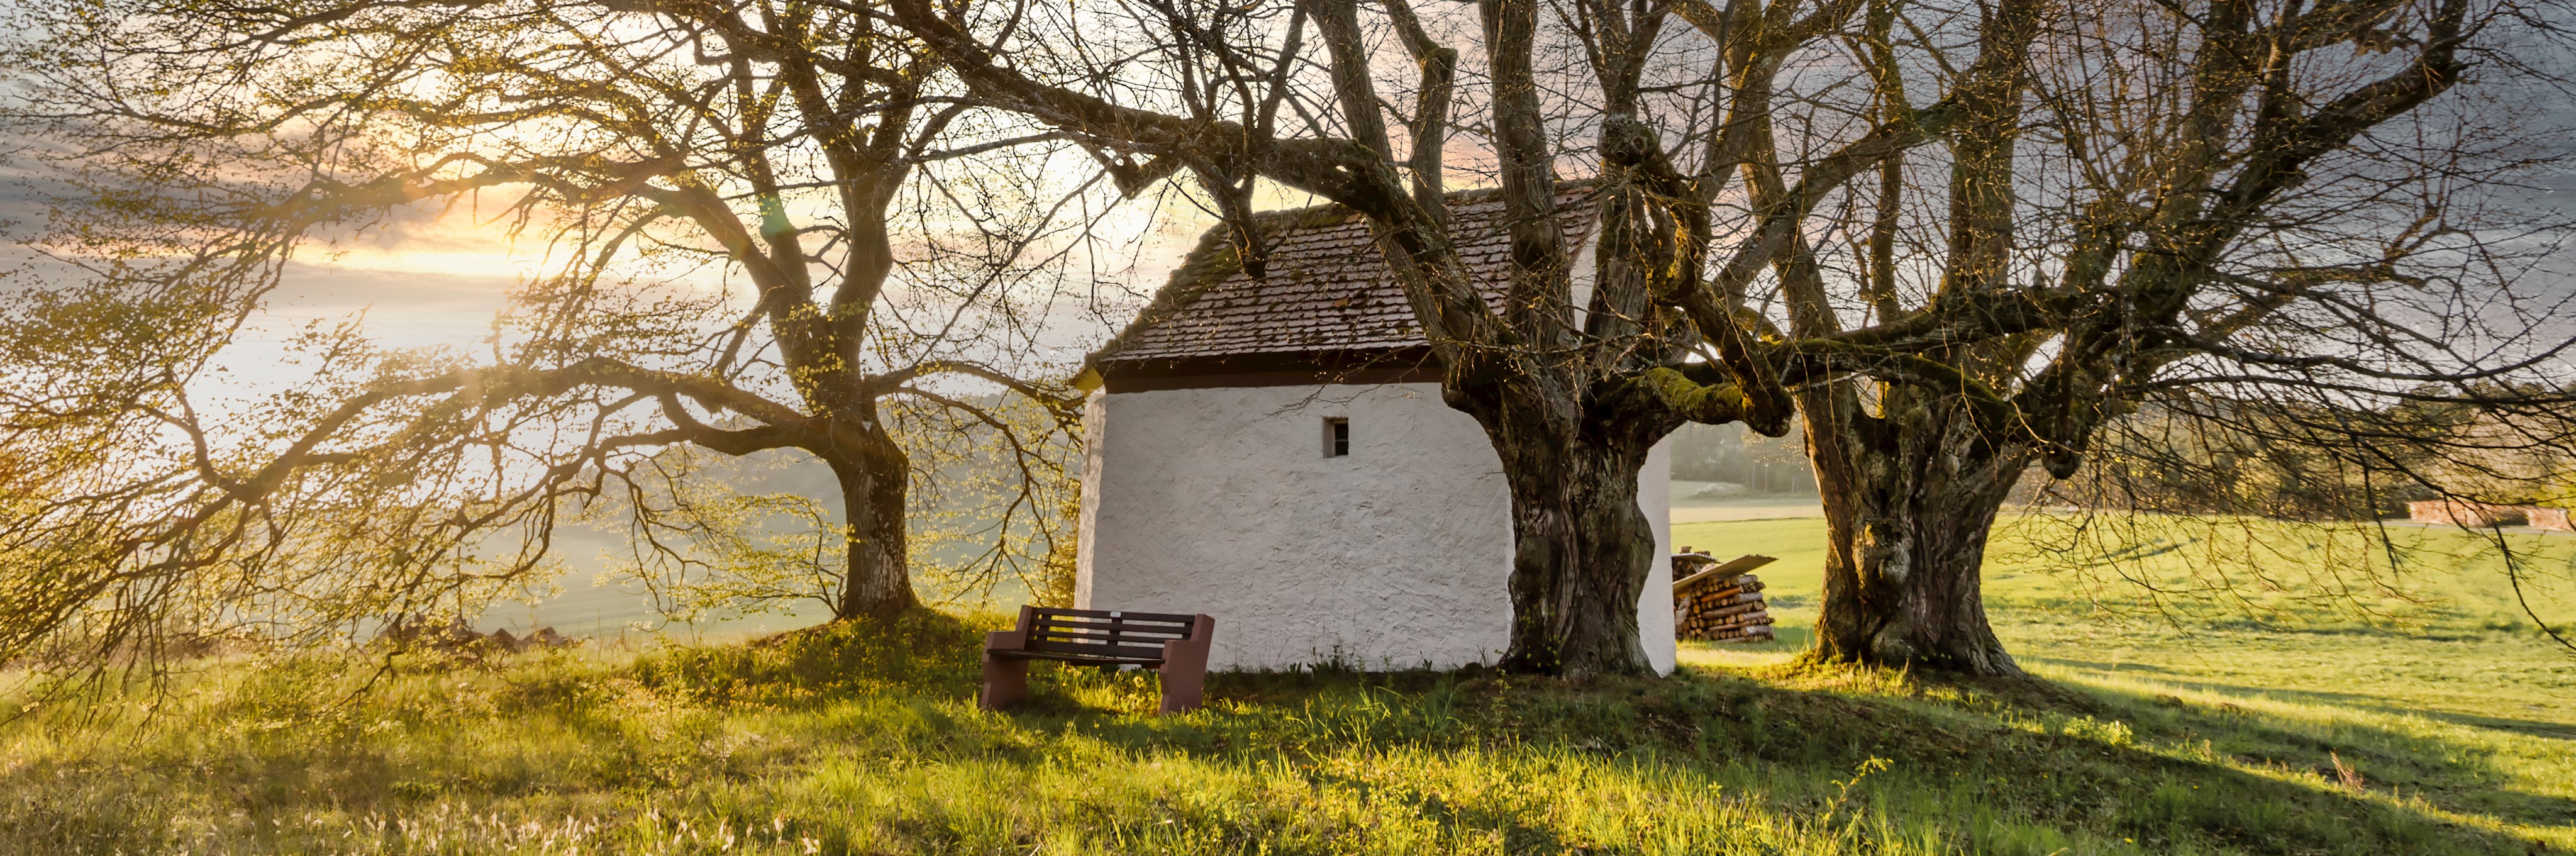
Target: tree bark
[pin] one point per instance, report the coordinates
(1581, 553)
(1582, 549)
(878, 581)
(1908, 498)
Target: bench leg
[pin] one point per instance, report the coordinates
(1183, 688)
(1184, 668)
(1005, 682)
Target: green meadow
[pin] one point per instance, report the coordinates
(2417, 712)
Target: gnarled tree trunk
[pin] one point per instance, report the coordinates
(878, 581)
(1909, 498)
(1582, 549)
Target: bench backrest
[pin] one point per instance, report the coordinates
(1104, 632)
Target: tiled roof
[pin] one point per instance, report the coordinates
(1328, 288)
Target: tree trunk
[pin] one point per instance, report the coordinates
(1908, 501)
(878, 580)
(1582, 549)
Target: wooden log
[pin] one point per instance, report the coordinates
(1685, 615)
(1730, 570)
(1736, 609)
(1749, 634)
(1726, 596)
(1741, 585)
(1740, 588)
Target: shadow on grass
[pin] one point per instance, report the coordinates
(1967, 760)
(2466, 778)
(1978, 766)
(924, 652)
(1789, 639)
(2064, 753)
(2358, 701)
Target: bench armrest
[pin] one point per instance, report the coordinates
(1192, 652)
(1017, 637)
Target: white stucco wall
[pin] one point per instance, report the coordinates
(1655, 604)
(1222, 501)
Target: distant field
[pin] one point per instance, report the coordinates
(1689, 507)
(2446, 636)
(2432, 666)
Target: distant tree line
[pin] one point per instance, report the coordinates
(2318, 461)
(1729, 454)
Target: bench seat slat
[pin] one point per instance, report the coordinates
(1044, 611)
(1082, 615)
(1025, 654)
(1103, 630)
(1092, 649)
(1101, 638)
(1104, 626)
(1051, 626)
(1096, 651)
(1103, 616)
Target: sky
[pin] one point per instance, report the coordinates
(438, 279)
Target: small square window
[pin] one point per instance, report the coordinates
(1337, 437)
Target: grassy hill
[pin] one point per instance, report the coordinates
(2424, 676)
(2434, 725)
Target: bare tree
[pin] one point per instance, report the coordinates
(767, 227)
(1662, 106)
(2291, 217)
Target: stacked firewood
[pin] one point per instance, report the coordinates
(1719, 602)
(1729, 613)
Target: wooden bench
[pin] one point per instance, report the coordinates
(1175, 645)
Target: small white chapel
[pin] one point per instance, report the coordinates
(1274, 453)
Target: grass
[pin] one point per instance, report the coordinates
(2427, 681)
(2206, 735)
